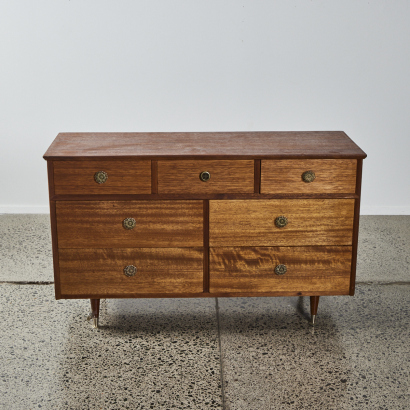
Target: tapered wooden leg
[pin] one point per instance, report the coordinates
(314, 302)
(95, 312)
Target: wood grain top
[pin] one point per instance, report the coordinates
(180, 145)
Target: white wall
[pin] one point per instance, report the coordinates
(189, 65)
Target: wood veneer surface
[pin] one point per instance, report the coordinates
(101, 271)
(226, 176)
(252, 223)
(285, 176)
(92, 224)
(312, 268)
(124, 177)
(267, 144)
(171, 239)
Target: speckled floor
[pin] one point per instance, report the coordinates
(231, 354)
(25, 248)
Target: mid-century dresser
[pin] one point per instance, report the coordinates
(204, 214)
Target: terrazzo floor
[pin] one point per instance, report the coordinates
(229, 353)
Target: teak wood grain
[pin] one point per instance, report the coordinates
(154, 177)
(159, 270)
(168, 224)
(213, 145)
(124, 177)
(204, 239)
(252, 223)
(285, 176)
(226, 176)
(313, 268)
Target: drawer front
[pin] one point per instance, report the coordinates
(121, 177)
(308, 269)
(309, 222)
(292, 176)
(168, 224)
(224, 176)
(101, 271)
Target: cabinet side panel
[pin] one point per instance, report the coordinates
(355, 238)
(206, 245)
(54, 243)
(50, 174)
(53, 224)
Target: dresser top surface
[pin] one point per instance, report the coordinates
(178, 145)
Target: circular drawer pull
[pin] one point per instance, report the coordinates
(100, 177)
(308, 176)
(281, 269)
(205, 176)
(281, 221)
(130, 270)
(129, 223)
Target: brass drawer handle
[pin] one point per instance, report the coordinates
(129, 223)
(100, 177)
(281, 221)
(130, 270)
(204, 176)
(308, 176)
(281, 269)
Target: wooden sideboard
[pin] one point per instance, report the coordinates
(204, 214)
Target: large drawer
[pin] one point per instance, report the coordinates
(308, 176)
(102, 177)
(308, 269)
(218, 176)
(101, 271)
(309, 222)
(168, 224)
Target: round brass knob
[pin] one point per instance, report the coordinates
(308, 176)
(129, 223)
(130, 270)
(281, 269)
(205, 176)
(100, 177)
(281, 221)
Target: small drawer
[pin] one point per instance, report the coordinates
(129, 224)
(281, 222)
(280, 269)
(126, 271)
(202, 176)
(102, 177)
(310, 176)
